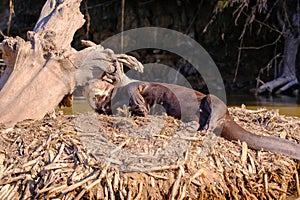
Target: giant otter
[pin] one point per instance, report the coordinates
(182, 103)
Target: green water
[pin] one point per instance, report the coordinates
(285, 104)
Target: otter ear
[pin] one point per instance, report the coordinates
(205, 113)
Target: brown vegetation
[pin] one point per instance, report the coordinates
(46, 159)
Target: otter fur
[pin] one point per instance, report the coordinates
(185, 104)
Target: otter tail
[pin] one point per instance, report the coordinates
(213, 112)
(232, 131)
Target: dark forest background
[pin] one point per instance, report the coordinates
(218, 32)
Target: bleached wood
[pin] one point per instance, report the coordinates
(39, 71)
(43, 69)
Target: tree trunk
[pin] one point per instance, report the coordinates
(291, 28)
(288, 76)
(40, 71)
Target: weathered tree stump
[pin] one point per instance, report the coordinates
(41, 70)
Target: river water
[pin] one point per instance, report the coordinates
(286, 105)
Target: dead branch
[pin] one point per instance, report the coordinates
(43, 69)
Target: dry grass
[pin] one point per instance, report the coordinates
(46, 159)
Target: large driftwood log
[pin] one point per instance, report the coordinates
(41, 70)
(41, 74)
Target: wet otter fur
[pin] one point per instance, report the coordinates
(185, 104)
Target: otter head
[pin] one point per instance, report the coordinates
(98, 94)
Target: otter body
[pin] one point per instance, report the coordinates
(187, 104)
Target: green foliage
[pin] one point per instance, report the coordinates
(223, 4)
